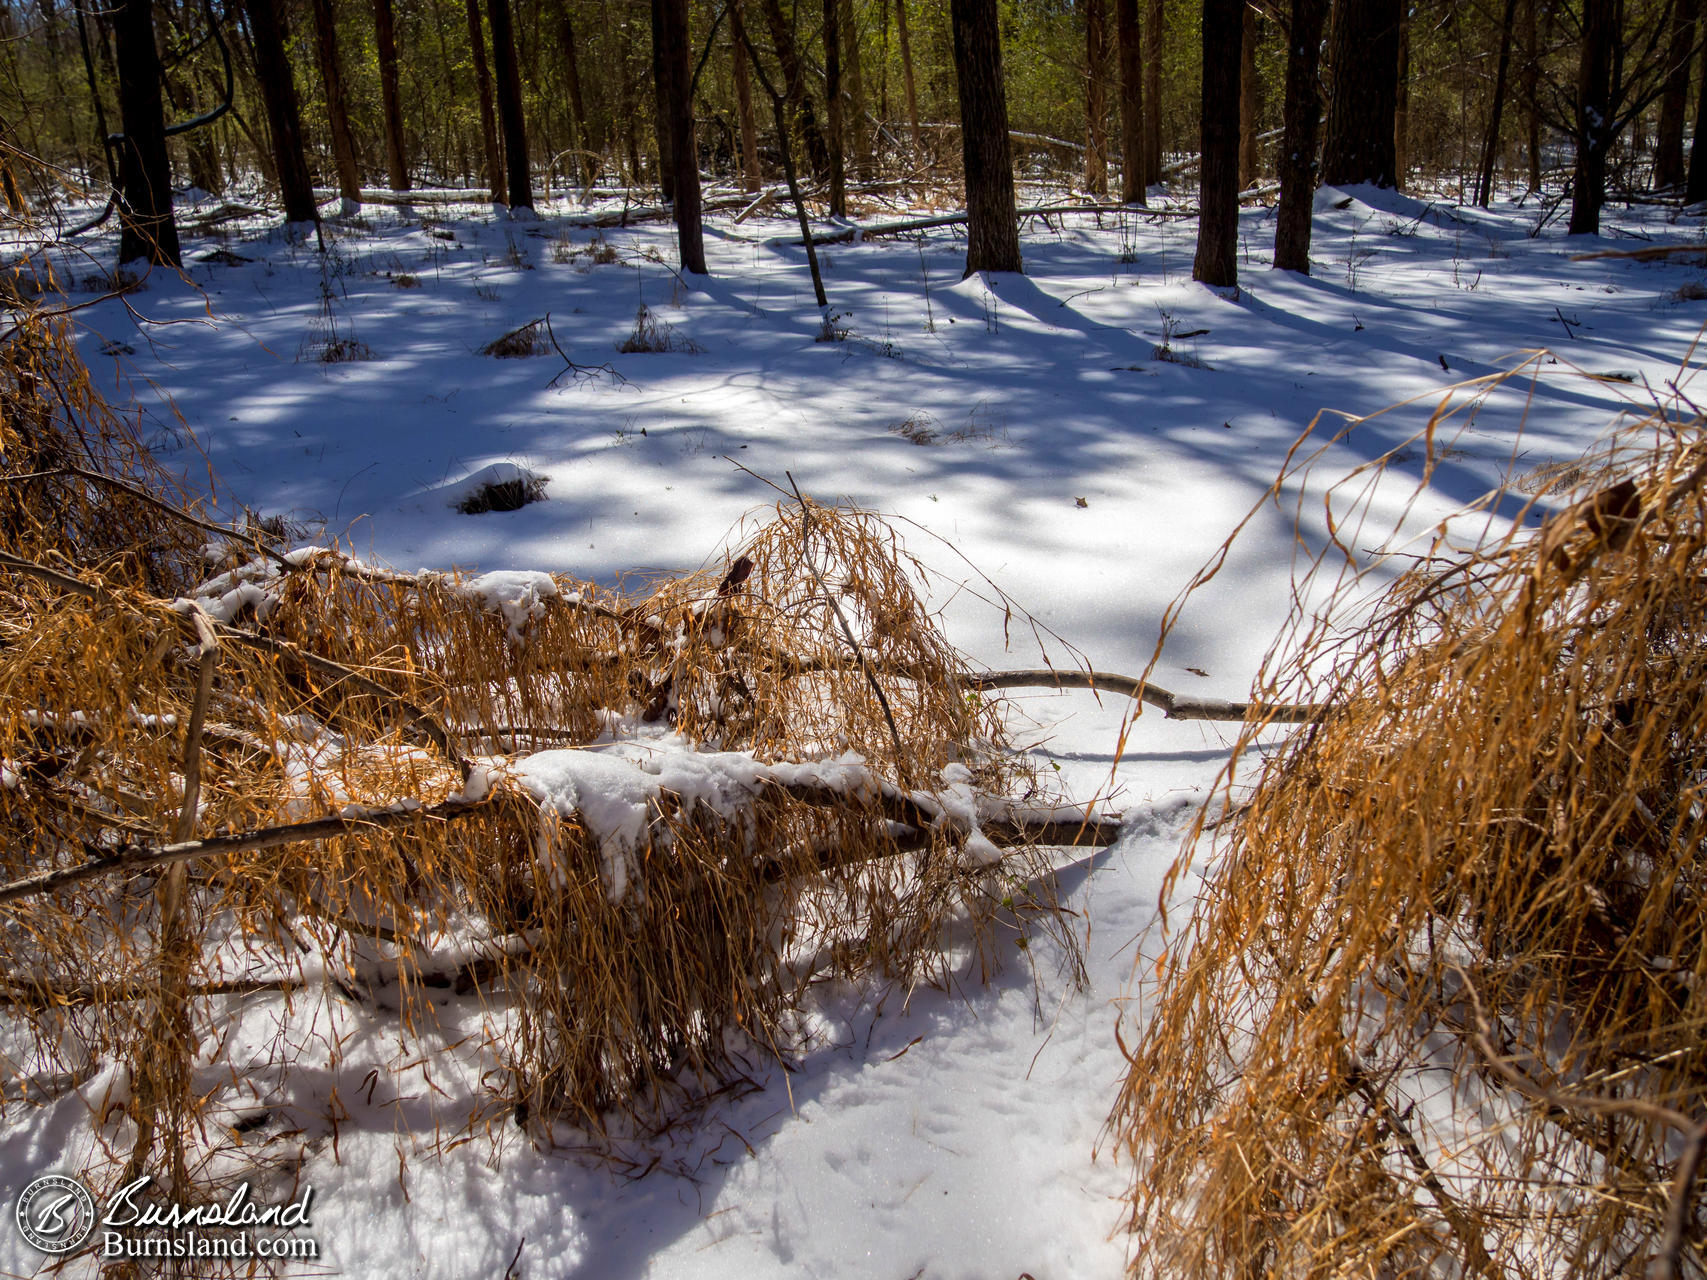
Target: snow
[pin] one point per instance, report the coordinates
(925, 1133)
(518, 594)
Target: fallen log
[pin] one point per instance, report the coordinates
(856, 234)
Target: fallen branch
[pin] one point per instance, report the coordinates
(857, 234)
(1655, 253)
(149, 857)
(1173, 706)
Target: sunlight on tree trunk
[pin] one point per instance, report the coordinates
(1302, 112)
(992, 228)
(1217, 260)
(146, 227)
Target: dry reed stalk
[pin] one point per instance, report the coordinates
(1438, 1009)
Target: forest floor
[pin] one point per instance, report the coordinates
(1085, 435)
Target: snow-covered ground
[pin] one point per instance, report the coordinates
(1026, 426)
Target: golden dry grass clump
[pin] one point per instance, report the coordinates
(634, 825)
(1439, 1010)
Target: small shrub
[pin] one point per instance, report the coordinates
(406, 281)
(518, 343)
(344, 351)
(654, 335)
(918, 428)
(510, 494)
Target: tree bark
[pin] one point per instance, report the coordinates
(684, 154)
(385, 37)
(856, 133)
(1531, 83)
(1593, 117)
(833, 113)
(1491, 142)
(147, 230)
(794, 87)
(907, 75)
(1301, 113)
(592, 147)
(518, 178)
(1250, 104)
(661, 107)
(1153, 19)
(1135, 176)
(1096, 100)
(751, 177)
(337, 108)
(992, 227)
(1696, 188)
(1217, 261)
(1402, 104)
(1668, 144)
(278, 92)
(483, 89)
(1361, 112)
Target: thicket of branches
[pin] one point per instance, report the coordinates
(308, 778)
(1438, 1008)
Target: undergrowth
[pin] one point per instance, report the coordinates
(1438, 1008)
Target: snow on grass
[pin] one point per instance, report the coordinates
(950, 1133)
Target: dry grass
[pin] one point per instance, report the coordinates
(336, 753)
(1438, 1010)
(654, 335)
(528, 340)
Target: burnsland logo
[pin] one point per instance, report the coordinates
(57, 1215)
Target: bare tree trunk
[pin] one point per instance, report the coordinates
(1301, 113)
(94, 92)
(483, 90)
(661, 107)
(992, 226)
(684, 155)
(856, 90)
(1250, 103)
(1531, 83)
(1696, 189)
(1594, 124)
(833, 113)
(751, 178)
(518, 177)
(147, 230)
(1674, 101)
(337, 109)
(794, 82)
(907, 75)
(1096, 101)
(1135, 173)
(778, 98)
(278, 91)
(1362, 110)
(1402, 104)
(396, 153)
(592, 147)
(1217, 261)
(1153, 19)
(1491, 142)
